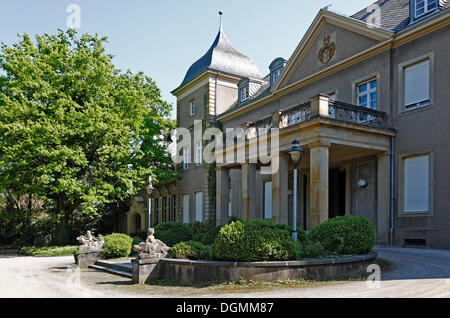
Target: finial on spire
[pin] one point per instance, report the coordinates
(220, 22)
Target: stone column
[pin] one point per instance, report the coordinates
(383, 190)
(248, 195)
(318, 192)
(280, 182)
(222, 195)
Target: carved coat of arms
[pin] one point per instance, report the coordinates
(326, 53)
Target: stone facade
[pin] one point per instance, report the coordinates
(348, 159)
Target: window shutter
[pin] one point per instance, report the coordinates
(416, 184)
(186, 208)
(417, 83)
(268, 200)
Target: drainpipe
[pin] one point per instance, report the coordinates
(392, 205)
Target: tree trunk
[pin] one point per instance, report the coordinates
(62, 231)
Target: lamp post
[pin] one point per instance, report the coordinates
(149, 192)
(296, 154)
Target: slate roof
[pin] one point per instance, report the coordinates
(222, 57)
(394, 13)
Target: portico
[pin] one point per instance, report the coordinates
(333, 135)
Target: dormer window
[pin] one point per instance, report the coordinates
(245, 93)
(276, 67)
(275, 75)
(423, 7)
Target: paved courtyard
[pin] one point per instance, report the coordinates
(414, 273)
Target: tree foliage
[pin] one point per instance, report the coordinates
(74, 130)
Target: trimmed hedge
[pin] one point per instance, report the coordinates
(172, 233)
(117, 245)
(259, 240)
(190, 250)
(345, 235)
(311, 249)
(207, 237)
(301, 235)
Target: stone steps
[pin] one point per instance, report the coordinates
(121, 269)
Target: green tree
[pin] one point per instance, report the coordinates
(75, 130)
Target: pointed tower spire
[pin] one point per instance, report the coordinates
(220, 21)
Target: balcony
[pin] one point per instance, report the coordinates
(304, 112)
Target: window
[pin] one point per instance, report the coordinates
(417, 85)
(275, 75)
(199, 206)
(230, 202)
(198, 154)
(192, 108)
(367, 94)
(186, 158)
(423, 7)
(416, 184)
(332, 96)
(268, 200)
(244, 93)
(186, 208)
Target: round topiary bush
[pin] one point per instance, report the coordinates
(117, 245)
(190, 250)
(345, 235)
(172, 233)
(261, 240)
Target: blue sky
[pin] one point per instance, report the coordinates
(163, 38)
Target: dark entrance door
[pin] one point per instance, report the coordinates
(336, 193)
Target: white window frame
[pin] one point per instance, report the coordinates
(192, 108)
(403, 209)
(419, 104)
(275, 75)
(245, 93)
(367, 93)
(198, 210)
(426, 3)
(266, 196)
(198, 154)
(186, 158)
(186, 202)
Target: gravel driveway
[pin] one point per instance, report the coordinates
(415, 273)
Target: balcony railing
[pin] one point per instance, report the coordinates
(356, 114)
(303, 113)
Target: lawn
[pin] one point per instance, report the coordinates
(48, 251)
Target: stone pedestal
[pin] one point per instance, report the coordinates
(145, 270)
(86, 259)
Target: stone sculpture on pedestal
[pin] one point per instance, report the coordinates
(89, 251)
(152, 248)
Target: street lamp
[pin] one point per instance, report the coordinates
(149, 192)
(296, 154)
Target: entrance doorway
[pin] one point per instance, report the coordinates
(336, 196)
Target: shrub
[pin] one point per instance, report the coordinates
(141, 234)
(345, 235)
(116, 246)
(190, 250)
(136, 241)
(301, 235)
(48, 251)
(311, 249)
(260, 240)
(207, 237)
(172, 233)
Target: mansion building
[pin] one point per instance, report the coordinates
(368, 99)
